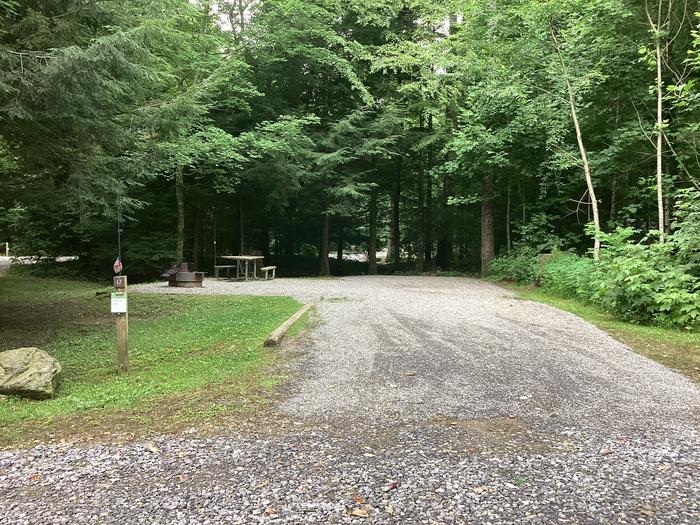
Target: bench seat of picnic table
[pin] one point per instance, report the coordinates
(219, 267)
(267, 270)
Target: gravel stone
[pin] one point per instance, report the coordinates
(416, 400)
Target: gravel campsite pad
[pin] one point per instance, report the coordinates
(415, 400)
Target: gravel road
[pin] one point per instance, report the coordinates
(4, 264)
(416, 400)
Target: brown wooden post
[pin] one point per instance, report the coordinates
(122, 321)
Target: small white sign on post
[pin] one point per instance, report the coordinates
(119, 303)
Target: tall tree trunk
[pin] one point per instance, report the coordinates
(443, 257)
(659, 128)
(509, 244)
(420, 238)
(581, 146)
(213, 235)
(265, 238)
(241, 228)
(395, 215)
(445, 240)
(613, 182)
(428, 263)
(390, 238)
(523, 202)
(180, 230)
(196, 240)
(488, 246)
(613, 198)
(372, 241)
(428, 221)
(325, 246)
(341, 246)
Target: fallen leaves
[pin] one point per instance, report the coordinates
(361, 512)
(647, 510)
(361, 508)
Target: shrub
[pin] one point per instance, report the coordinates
(567, 274)
(647, 281)
(686, 224)
(519, 265)
(642, 281)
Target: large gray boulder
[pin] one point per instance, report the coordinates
(29, 372)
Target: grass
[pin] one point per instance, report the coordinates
(177, 344)
(673, 348)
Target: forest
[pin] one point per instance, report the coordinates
(554, 142)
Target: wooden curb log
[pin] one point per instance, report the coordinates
(275, 337)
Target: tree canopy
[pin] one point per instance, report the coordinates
(439, 134)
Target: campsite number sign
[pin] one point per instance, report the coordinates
(119, 305)
(121, 310)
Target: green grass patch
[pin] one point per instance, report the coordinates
(177, 343)
(674, 348)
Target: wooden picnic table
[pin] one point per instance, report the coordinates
(243, 262)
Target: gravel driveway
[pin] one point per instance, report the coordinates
(416, 400)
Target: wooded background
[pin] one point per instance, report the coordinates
(444, 132)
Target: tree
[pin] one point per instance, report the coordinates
(450, 131)
(581, 146)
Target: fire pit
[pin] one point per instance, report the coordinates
(181, 276)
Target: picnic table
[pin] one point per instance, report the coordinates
(243, 264)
